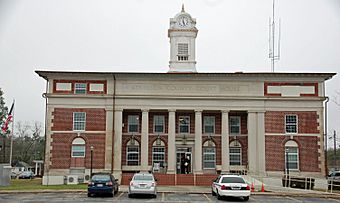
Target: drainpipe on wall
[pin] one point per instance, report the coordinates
(326, 137)
(113, 119)
(44, 95)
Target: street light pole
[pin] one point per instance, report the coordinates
(91, 160)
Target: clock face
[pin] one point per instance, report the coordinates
(183, 21)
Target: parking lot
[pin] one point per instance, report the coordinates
(162, 197)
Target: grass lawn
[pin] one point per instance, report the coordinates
(35, 184)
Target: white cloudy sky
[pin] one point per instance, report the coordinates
(131, 35)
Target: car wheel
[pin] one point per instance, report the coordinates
(129, 195)
(213, 193)
(219, 197)
(111, 194)
(154, 196)
(246, 198)
(88, 194)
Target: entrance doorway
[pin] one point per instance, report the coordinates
(183, 160)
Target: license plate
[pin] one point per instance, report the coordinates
(142, 185)
(99, 185)
(235, 188)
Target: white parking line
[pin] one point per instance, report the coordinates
(206, 196)
(291, 198)
(120, 195)
(163, 196)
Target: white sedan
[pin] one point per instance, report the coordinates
(230, 186)
(142, 183)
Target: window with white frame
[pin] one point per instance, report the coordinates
(209, 124)
(291, 123)
(209, 157)
(235, 153)
(78, 148)
(132, 153)
(80, 88)
(184, 124)
(158, 123)
(235, 124)
(79, 121)
(133, 123)
(291, 155)
(158, 155)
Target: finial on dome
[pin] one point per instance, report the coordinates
(183, 8)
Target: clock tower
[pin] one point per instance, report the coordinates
(182, 34)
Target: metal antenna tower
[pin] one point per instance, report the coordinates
(274, 44)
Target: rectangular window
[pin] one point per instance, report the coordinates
(79, 121)
(209, 158)
(158, 156)
(78, 150)
(80, 88)
(235, 156)
(291, 124)
(183, 49)
(184, 124)
(133, 123)
(158, 123)
(235, 124)
(209, 124)
(132, 156)
(293, 158)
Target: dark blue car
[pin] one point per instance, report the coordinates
(102, 183)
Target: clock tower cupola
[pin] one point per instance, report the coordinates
(182, 34)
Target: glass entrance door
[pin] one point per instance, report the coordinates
(184, 160)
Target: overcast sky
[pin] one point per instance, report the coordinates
(131, 35)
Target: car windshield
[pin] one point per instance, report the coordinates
(232, 180)
(143, 177)
(101, 178)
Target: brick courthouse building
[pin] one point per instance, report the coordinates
(184, 126)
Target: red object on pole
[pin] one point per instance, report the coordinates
(252, 187)
(262, 188)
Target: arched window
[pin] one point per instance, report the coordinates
(235, 153)
(158, 154)
(78, 147)
(209, 155)
(132, 153)
(291, 155)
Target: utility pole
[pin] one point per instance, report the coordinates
(334, 158)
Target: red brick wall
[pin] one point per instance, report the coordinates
(63, 119)
(217, 141)
(243, 140)
(152, 139)
(166, 121)
(308, 153)
(192, 121)
(217, 122)
(307, 121)
(125, 120)
(182, 179)
(125, 140)
(88, 82)
(61, 151)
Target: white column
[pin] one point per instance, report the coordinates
(117, 147)
(36, 169)
(108, 139)
(225, 141)
(145, 140)
(261, 146)
(252, 142)
(172, 142)
(256, 143)
(198, 142)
